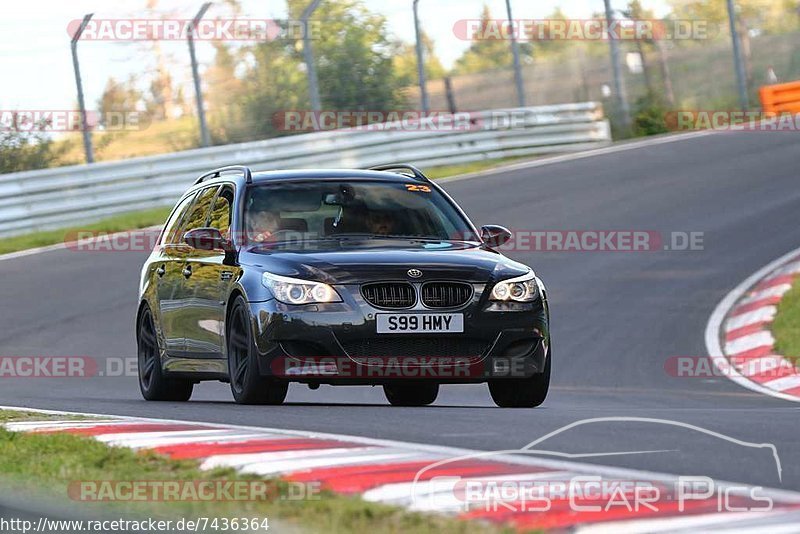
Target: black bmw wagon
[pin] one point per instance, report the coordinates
(341, 277)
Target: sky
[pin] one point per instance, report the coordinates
(36, 64)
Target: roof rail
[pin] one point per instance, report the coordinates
(395, 167)
(248, 174)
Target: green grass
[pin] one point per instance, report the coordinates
(436, 173)
(49, 462)
(786, 327)
(118, 223)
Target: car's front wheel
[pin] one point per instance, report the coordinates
(247, 384)
(153, 383)
(521, 392)
(411, 393)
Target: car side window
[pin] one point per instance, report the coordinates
(199, 213)
(167, 237)
(220, 217)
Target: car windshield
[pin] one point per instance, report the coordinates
(331, 210)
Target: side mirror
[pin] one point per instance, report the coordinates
(495, 236)
(206, 239)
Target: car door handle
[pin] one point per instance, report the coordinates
(187, 271)
(161, 271)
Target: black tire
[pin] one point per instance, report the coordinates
(411, 393)
(153, 383)
(247, 384)
(521, 392)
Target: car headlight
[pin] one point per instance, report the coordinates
(521, 289)
(296, 291)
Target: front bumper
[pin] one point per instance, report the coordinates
(338, 344)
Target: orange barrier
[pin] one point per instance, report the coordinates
(781, 98)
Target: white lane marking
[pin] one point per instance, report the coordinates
(774, 291)
(784, 383)
(715, 321)
(442, 450)
(749, 342)
(613, 149)
(61, 246)
(274, 468)
(760, 315)
(791, 268)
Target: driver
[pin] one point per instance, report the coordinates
(380, 223)
(261, 225)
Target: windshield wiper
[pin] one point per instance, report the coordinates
(365, 235)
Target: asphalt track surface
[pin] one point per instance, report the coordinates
(616, 318)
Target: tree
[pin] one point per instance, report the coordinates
(354, 57)
(224, 93)
(275, 82)
(770, 16)
(405, 62)
(490, 54)
(28, 148)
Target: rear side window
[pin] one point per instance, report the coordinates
(200, 210)
(221, 212)
(167, 237)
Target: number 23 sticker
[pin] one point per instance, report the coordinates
(418, 188)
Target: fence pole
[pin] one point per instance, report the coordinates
(205, 138)
(517, 64)
(744, 99)
(423, 83)
(616, 65)
(87, 135)
(308, 56)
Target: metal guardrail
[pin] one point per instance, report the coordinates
(69, 196)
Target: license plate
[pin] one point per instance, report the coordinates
(420, 323)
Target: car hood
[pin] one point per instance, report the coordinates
(335, 263)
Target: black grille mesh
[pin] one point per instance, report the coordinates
(446, 294)
(416, 347)
(395, 295)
